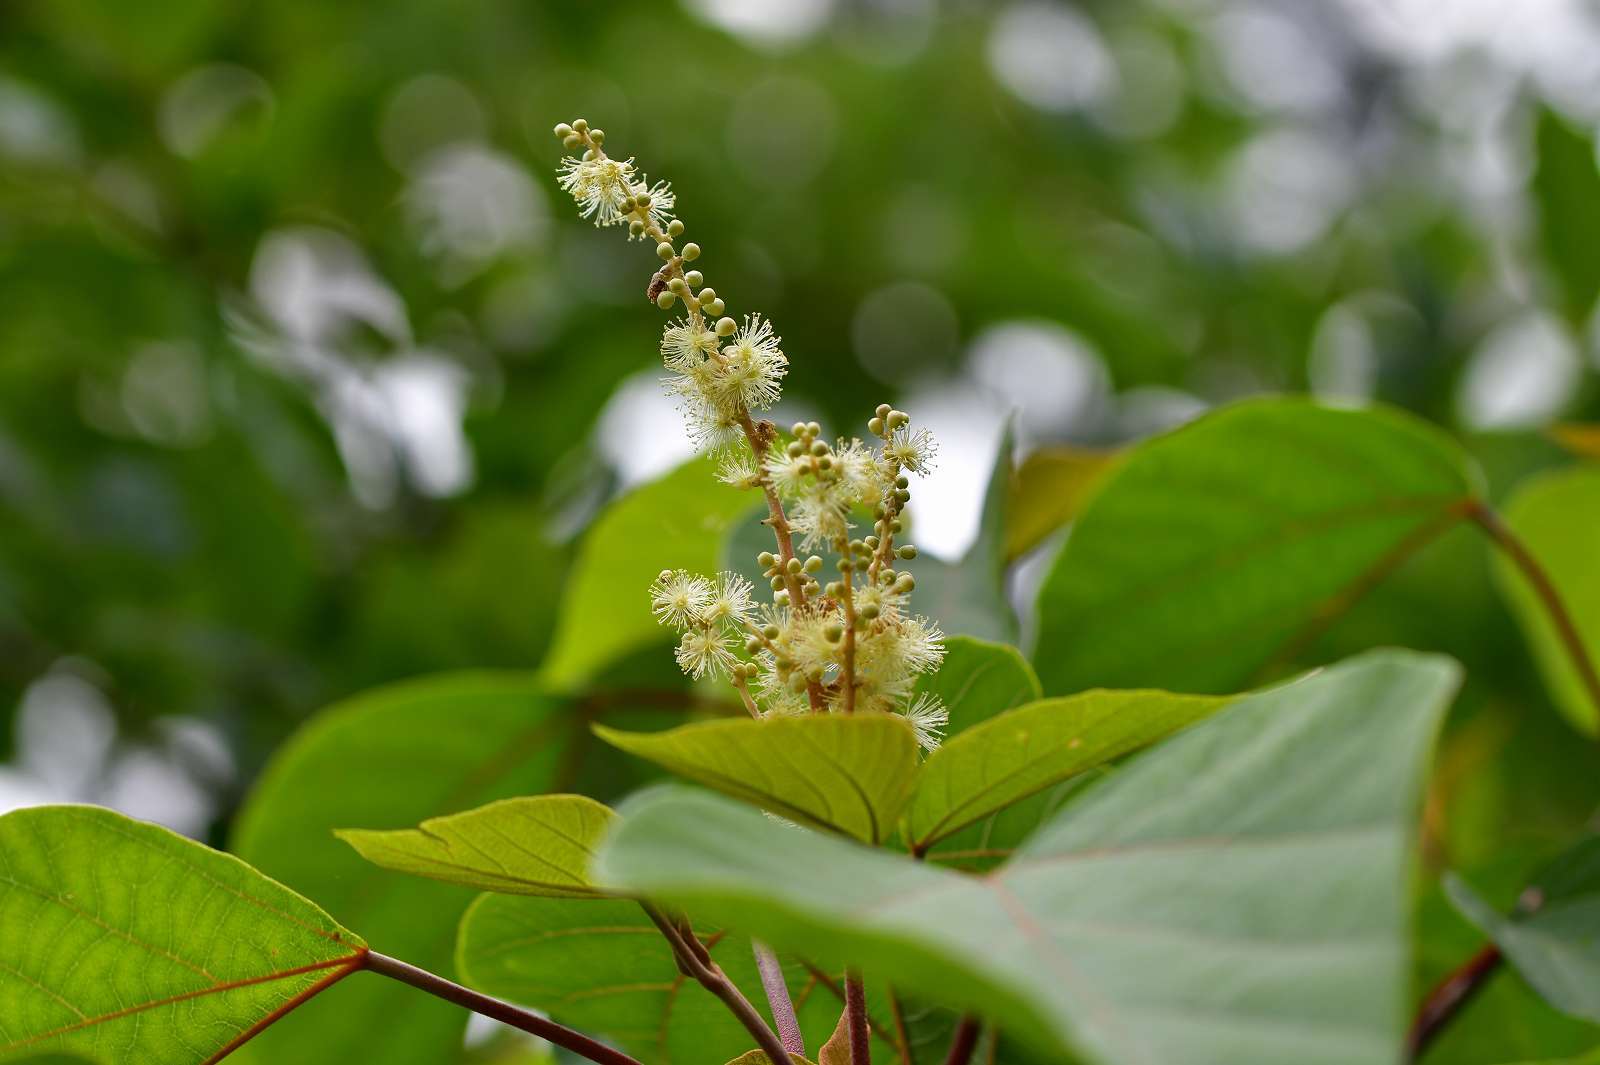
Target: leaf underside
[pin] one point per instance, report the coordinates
(127, 943)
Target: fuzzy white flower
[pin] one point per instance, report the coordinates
(821, 517)
(687, 343)
(928, 717)
(738, 468)
(860, 471)
(599, 185)
(787, 473)
(731, 600)
(754, 364)
(704, 651)
(679, 598)
(662, 201)
(911, 450)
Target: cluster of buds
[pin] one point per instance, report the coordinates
(851, 644)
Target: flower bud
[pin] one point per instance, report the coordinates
(597, 136)
(580, 125)
(691, 252)
(664, 250)
(675, 228)
(677, 285)
(813, 563)
(694, 277)
(883, 410)
(716, 307)
(726, 327)
(664, 301)
(563, 131)
(907, 552)
(766, 558)
(875, 426)
(572, 143)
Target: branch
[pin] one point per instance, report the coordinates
(966, 1038)
(504, 1012)
(855, 1008)
(1448, 997)
(778, 1000)
(1545, 589)
(699, 965)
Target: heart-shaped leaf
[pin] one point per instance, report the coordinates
(1237, 896)
(846, 773)
(1553, 938)
(603, 967)
(390, 759)
(1051, 487)
(978, 680)
(605, 609)
(123, 941)
(1024, 751)
(1217, 548)
(526, 846)
(1556, 516)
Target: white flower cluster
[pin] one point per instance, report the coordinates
(717, 385)
(850, 645)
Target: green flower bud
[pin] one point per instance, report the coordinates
(664, 250)
(780, 598)
(716, 307)
(726, 327)
(820, 448)
(883, 410)
(794, 566)
(597, 136)
(770, 632)
(907, 552)
(906, 584)
(766, 558)
(691, 252)
(813, 563)
(875, 426)
(580, 125)
(563, 131)
(898, 419)
(870, 611)
(845, 565)
(707, 295)
(798, 429)
(664, 301)
(572, 143)
(902, 481)
(677, 285)
(675, 228)
(777, 583)
(834, 632)
(636, 228)
(795, 449)
(642, 199)
(694, 277)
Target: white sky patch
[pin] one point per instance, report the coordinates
(1051, 376)
(1522, 374)
(764, 22)
(1050, 56)
(947, 503)
(641, 432)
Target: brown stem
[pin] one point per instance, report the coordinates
(855, 1008)
(710, 976)
(1545, 589)
(962, 1044)
(1448, 998)
(778, 1000)
(504, 1012)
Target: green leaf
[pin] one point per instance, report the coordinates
(1024, 751)
(759, 1057)
(605, 610)
(848, 774)
(1566, 184)
(1592, 1058)
(391, 759)
(1238, 895)
(1217, 548)
(528, 846)
(1555, 515)
(978, 680)
(1052, 485)
(602, 967)
(122, 940)
(1553, 939)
